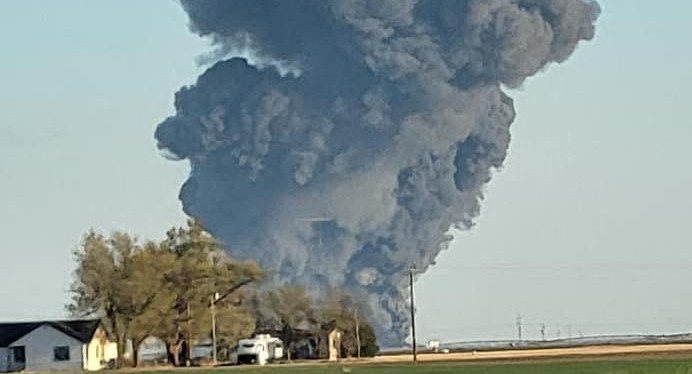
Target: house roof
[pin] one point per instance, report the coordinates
(82, 330)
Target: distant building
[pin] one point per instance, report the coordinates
(55, 346)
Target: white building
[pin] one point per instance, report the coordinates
(54, 346)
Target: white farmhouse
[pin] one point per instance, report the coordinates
(55, 346)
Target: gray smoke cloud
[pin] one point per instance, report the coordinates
(361, 131)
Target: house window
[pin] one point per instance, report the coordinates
(61, 353)
(19, 355)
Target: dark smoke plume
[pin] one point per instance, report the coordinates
(360, 133)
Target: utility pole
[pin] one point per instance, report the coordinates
(188, 362)
(213, 328)
(519, 332)
(413, 314)
(357, 332)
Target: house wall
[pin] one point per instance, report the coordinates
(9, 364)
(4, 355)
(111, 351)
(99, 351)
(39, 345)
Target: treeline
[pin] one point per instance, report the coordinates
(165, 289)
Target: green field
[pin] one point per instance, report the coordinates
(653, 366)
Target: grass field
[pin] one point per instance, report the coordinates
(610, 366)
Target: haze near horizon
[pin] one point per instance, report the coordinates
(583, 229)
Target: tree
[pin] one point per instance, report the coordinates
(342, 310)
(112, 282)
(234, 320)
(368, 340)
(202, 269)
(284, 309)
(161, 289)
(149, 269)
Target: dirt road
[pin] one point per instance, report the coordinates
(539, 353)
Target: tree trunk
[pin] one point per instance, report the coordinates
(174, 351)
(136, 342)
(169, 355)
(286, 335)
(122, 345)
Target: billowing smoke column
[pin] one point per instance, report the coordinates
(360, 132)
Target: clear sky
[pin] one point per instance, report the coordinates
(585, 229)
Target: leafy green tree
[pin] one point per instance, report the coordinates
(111, 282)
(201, 270)
(161, 289)
(284, 310)
(342, 310)
(149, 269)
(368, 340)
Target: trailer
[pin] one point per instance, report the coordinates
(259, 350)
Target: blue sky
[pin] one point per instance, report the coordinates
(585, 229)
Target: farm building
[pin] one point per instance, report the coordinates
(54, 346)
